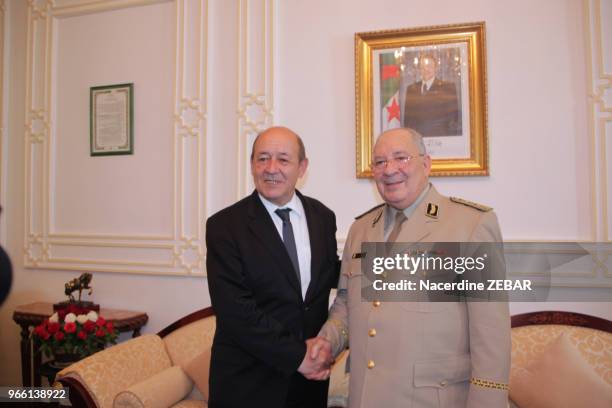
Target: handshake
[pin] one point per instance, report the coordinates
(318, 359)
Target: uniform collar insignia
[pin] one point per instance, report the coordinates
(432, 210)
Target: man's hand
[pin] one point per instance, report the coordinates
(318, 359)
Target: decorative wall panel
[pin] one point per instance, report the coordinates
(176, 246)
(256, 50)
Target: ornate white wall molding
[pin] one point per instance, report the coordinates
(598, 15)
(181, 250)
(256, 59)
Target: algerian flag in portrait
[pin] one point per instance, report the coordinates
(389, 91)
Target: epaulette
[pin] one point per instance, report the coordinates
(369, 211)
(472, 204)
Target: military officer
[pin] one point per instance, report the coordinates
(418, 354)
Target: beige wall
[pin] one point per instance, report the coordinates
(295, 59)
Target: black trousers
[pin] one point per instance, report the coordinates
(305, 393)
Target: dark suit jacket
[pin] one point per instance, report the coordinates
(434, 113)
(262, 321)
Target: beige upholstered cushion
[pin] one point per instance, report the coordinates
(198, 370)
(162, 390)
(594, 345)
(113, 370)
(190, 404)
(560, 377)
(184, 344)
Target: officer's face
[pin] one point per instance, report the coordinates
(400, 184)
(275, 165)
(427, 66)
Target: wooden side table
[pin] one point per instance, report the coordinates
(33, 314)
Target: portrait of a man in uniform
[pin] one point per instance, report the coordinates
(431, 105)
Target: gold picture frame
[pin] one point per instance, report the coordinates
(394, 88)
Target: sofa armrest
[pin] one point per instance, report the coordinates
(80, 396)
(101, 376)
(162, 390)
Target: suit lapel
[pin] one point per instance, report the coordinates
(263, 228)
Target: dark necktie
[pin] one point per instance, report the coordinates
(289, 238)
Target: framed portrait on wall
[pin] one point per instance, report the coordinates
(431, 79)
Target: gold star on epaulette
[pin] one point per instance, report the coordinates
(472, 204)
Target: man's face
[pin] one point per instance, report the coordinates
(400, 185)
(427, 65)
(275, 165)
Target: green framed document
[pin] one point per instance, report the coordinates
(111, 119)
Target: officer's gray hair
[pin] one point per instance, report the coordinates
(416, 137)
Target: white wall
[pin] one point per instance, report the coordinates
(537, 104)
(298, 56)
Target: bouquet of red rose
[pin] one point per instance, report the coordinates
(81, 334)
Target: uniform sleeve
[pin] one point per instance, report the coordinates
(335, 328)
(234, 304)
(490, 337)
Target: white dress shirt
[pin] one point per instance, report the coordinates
(300, 232)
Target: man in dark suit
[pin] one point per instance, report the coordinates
(271, 262)
(431, 106)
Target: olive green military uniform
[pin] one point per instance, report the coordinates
(422, 354)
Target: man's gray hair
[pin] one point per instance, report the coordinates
(416, 137)
(301, 148)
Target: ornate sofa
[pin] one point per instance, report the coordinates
(143, 372)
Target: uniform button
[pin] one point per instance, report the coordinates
(371, 364)
(372, 332)
(443, 383)
(376, 303)
(384, 275)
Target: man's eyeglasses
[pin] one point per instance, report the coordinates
(400, 161)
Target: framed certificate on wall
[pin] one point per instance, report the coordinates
(111, 119)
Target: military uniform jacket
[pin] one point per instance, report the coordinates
(422, 354)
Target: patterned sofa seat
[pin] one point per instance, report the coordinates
(590, 340)
(145, 371)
